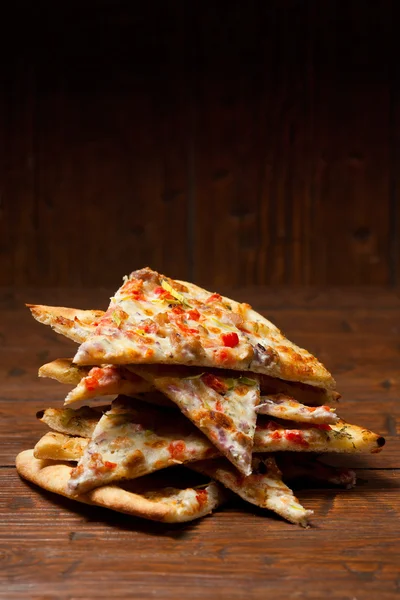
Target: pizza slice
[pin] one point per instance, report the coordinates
(264, 487)
(221, 406)
(132, 440)
(58, 446)
(80, 422)
(286, 407)
(154, 319)
(147, 498)
(64, 371)
(278, 436)
(68, 322)
(107, 380)
(72, 323)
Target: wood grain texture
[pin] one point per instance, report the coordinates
(255, 143)
(50, 547)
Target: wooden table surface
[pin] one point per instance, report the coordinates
(51, 547)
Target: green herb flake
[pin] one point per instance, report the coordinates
(230, 383)
(247, 381)
(116, 318)
(178, 298)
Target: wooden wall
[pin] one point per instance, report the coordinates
(228, 142)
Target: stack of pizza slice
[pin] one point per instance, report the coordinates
(202, 385)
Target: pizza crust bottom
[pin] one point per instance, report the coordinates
(171, 508)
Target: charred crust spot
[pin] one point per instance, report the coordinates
(244, 440)
(40, 414)
(134, 460)
(220, 419)
(156, 444)
(381, 441)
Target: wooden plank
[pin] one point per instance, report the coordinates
(351, 144)
(276, 158)
(81, 550)
(109, 156)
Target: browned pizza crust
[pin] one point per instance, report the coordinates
(64, 371)
(165, 505)
(73, 323)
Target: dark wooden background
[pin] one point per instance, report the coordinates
(233, 143)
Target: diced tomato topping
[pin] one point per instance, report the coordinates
(159, 291)
(133, 288)
(187, 330)
(149, 327)
(176, 450)
(218, 405)
(214, 298)
(92, 381)
(230, 339)
(137, 295)
(177, 310)
(215, 383)
(109, 465)
(201, 497)
(194, 314)
(323, 426)
(276, 435)
(297, 438)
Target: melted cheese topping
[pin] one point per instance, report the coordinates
(154, 319)
(285, 407)
(222, 408)
(264, 487)
(129, 443)
(188, 504)
(107, 380)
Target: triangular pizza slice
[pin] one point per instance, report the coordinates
(131, 440)
(264, 487)
(94, 382)
(286, 407)
(222, 406)
(152, 497)
(154, 319)
(72, 323)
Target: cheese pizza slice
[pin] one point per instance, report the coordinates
(68, 322)
(264, 487)
(221, 406)
(286, 407)
(80, 422)
(154, 319)
(72, 323)
(131, 440)
(58, 446)
(146, 497)
(92, 382)
(277, 436)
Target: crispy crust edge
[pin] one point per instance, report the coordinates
(54, 477)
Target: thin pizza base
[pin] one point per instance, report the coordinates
(183, 506)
